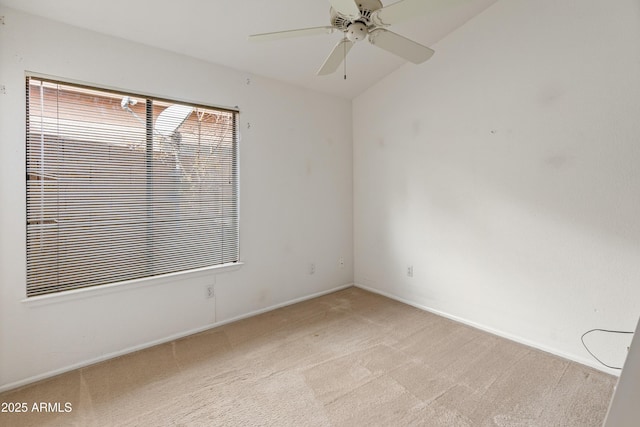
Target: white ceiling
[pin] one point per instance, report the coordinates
(217, 30)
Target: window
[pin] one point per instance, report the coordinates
(123, 187)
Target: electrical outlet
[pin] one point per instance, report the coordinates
(410, 271)
(312, 268)
(341, 262)
(210, 292)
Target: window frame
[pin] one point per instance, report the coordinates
(148, 279)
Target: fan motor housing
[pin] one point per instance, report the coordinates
(366, 7)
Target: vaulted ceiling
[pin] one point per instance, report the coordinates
(217, 30)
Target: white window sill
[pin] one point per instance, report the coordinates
(92, 291)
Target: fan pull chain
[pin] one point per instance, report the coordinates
(344, 59)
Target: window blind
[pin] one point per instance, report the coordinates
(123, 187)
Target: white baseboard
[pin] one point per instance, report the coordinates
(497, 332)
(164, 340)
(284, 304)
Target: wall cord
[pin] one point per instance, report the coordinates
(602, 330)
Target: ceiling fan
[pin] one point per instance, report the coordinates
(358, 19)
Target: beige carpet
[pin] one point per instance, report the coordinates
(351, 358)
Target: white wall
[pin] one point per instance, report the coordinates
(296, 201)
(506, 170)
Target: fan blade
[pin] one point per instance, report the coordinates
(335, 58)
(347, 8)
(407, 9)
(401, 46)
(291, 33)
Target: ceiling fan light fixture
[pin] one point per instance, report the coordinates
(357, 31)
